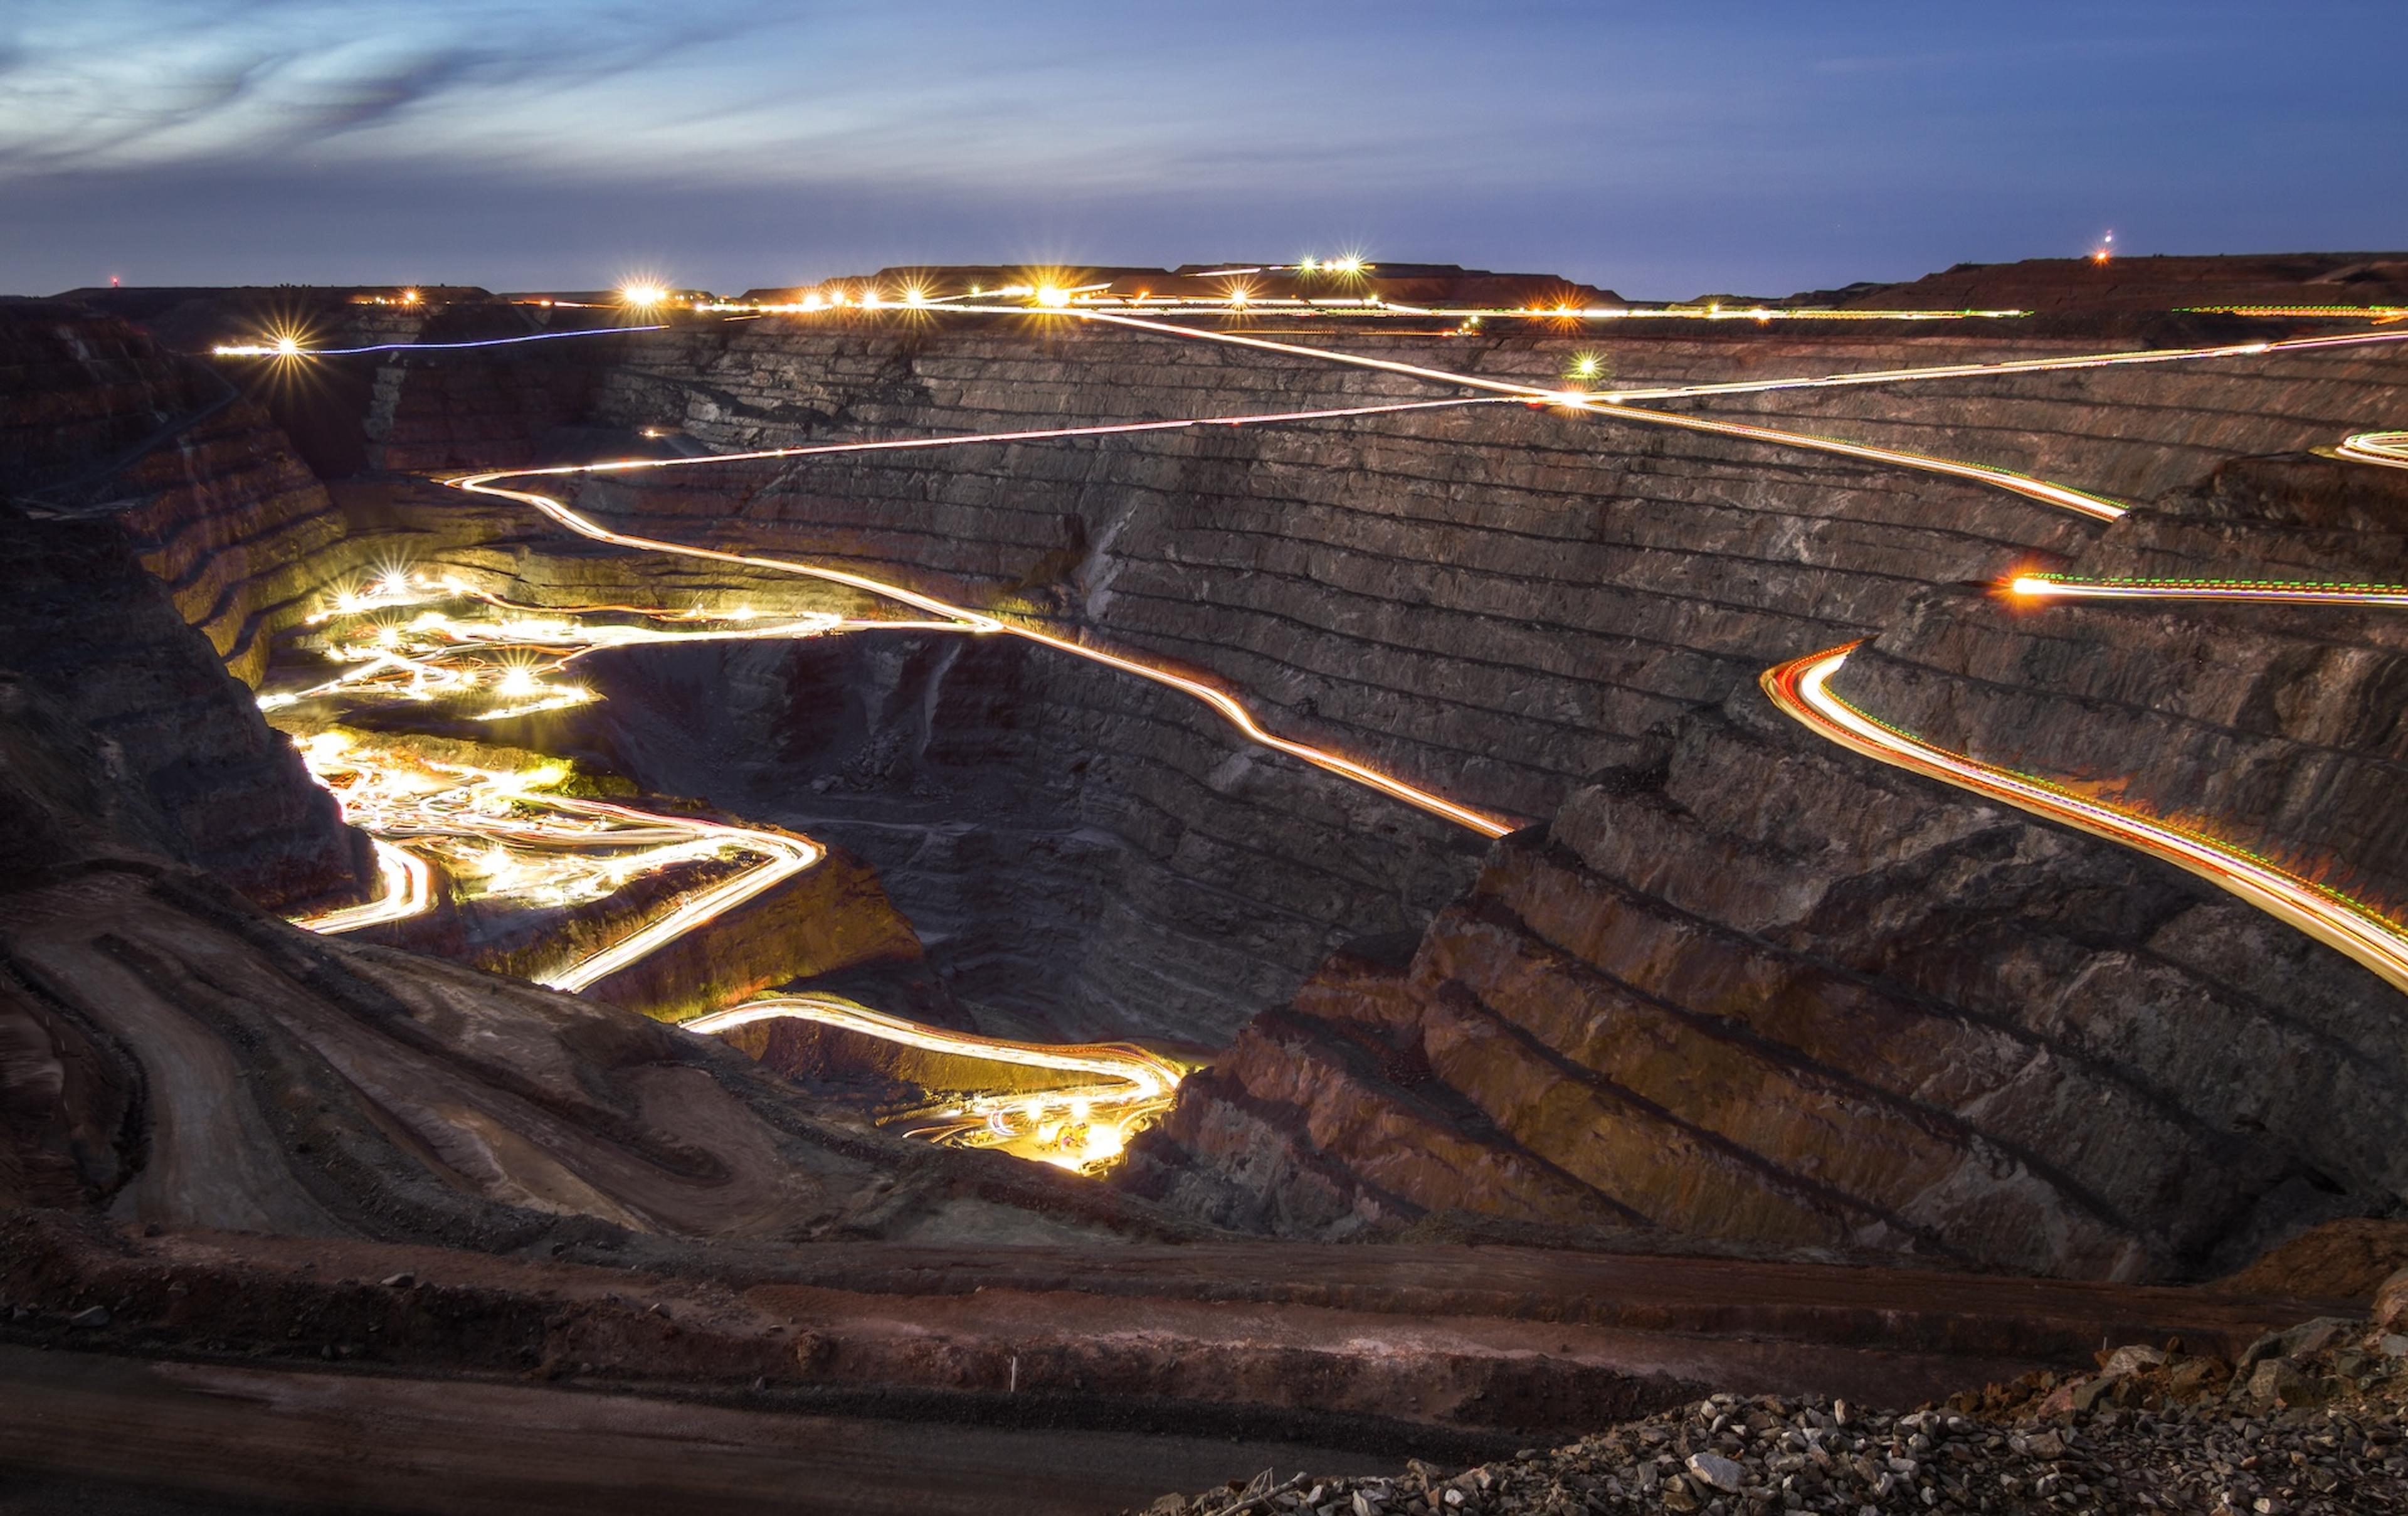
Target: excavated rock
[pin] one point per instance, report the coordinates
(2276, 728)
(98, 421)
(2153, 1431)
(1766, 988)
(2351, 1260)
(178, 1059)
(973, 1312)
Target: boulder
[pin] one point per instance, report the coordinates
(1713, 1468)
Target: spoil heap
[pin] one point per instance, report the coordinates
(2310, 1421)
(2055, 286)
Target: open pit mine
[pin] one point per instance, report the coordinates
(1001, 890)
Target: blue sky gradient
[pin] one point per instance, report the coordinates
(1659, 150)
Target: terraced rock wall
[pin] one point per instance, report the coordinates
(1490, 602)
(1493, 602)
(1768, 989)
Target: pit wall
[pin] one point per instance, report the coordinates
(1769, 990)
(1486, 603)
(1493, 602)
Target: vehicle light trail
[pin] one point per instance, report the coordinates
(2016, 366)
(507, 657)
(2384, 449)
(405, 888)
(2261, 591)
(1617, 402)
(2388, 450)
(499, 835)
(2379, 314)
(292, 348)
(2064, 497)
(966, 619)
(783, 857)
(1802, 691)
(1048, 434)
(1122, 1089)
(1101, 298)
(1095, 1119)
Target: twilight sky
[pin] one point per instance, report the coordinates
(1661, 150)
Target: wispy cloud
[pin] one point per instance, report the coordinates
(108, 84)
(925, 91)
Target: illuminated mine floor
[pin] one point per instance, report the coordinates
(496, 830)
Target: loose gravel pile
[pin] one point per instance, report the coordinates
(2309, 1420)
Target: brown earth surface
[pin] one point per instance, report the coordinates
(1453, 1339)
(94, 1434)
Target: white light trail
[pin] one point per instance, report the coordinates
(783, 857)
(1122, 1088)
(2388, 450)
(2061, 496)
(978, 622)
(501, 835)
(292, 347)
(2263, 592)
(405, 888)
(1800, 689)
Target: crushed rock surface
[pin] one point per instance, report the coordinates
(2309, 1420)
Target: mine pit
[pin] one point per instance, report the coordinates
(564, 878)
(1418, 887)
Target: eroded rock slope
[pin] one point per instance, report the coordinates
(1766, 988)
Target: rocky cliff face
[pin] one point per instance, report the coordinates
(1763, 988)
(103, 423)
(175, 1057)
(101, 642)
(101, 439)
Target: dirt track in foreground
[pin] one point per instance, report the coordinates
(86, 1433)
